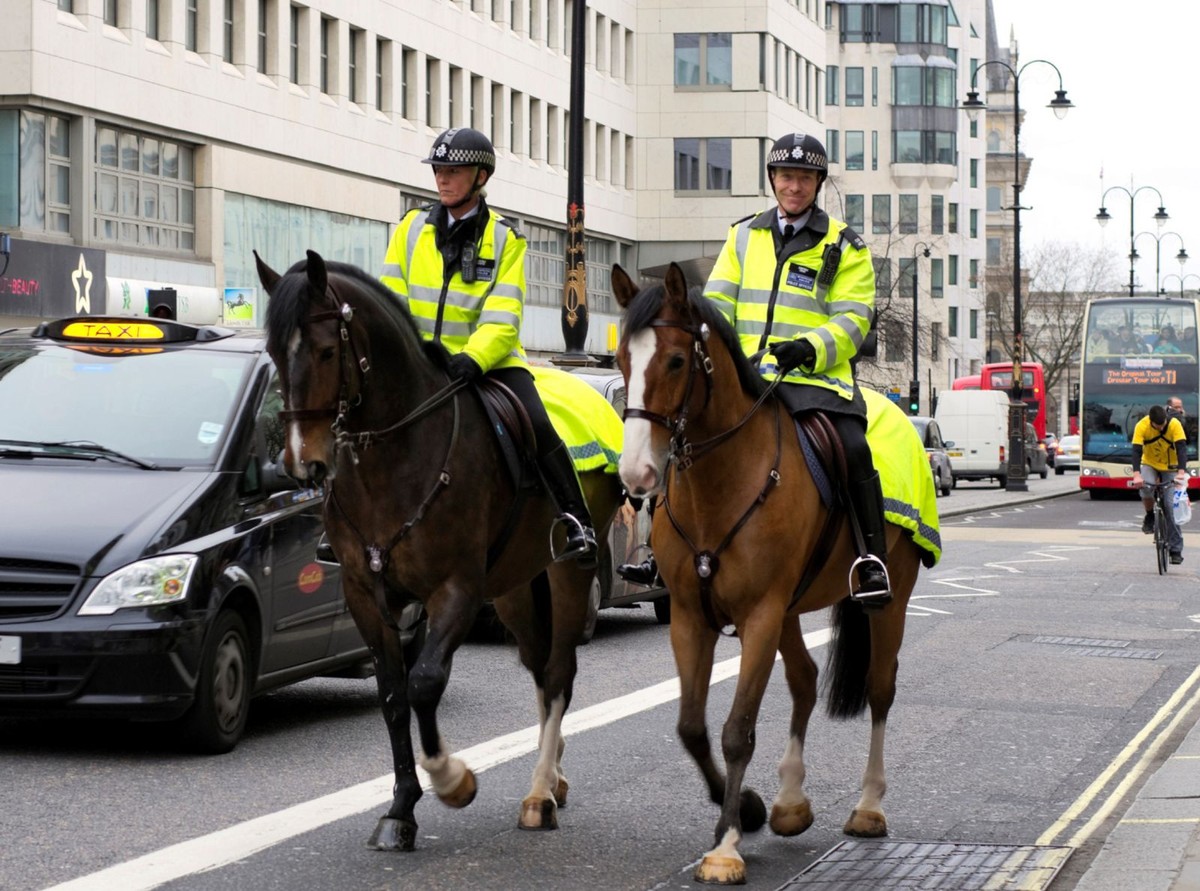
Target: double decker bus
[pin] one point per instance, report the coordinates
(967, 382)
(998, 376)
(1137, 352)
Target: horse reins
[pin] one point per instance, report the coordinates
(682, 454)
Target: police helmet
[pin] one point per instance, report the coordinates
(462, 147)
(799, 150)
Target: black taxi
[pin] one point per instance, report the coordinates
(154, 564)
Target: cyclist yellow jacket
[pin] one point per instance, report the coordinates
(1160, 452)
(768, 299)
(481, 318)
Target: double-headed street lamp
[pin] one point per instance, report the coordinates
(914, 385)
(1182, 256)
(1017, 475)
(1182, 281)
(1160, 217)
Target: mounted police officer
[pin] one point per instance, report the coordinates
(460, 268)
(800, 285)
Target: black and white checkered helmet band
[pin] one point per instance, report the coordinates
(443, 154)
(796, 157)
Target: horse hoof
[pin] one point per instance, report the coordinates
(751, 811)
(393, 835)
(792, 819)
(866, 824)
(463, 794)
(560, 792)
(720, 869)
(538, 814)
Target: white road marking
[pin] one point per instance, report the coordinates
(240, 841)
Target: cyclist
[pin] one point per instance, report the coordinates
(1159, 455)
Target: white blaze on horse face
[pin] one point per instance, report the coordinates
(295, 447)
(641, 467)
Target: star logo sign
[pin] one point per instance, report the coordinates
(797, 153)
(81, 279)
(441, 150)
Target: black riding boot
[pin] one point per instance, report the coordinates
(644, 573)
(325, 552)
(866, 501)
(558, 473)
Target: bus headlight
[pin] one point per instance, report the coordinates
(1094, 471)
(151, 582)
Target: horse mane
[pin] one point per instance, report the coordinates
(648, 304)
(292, 301)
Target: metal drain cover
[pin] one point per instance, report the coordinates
(925, 866)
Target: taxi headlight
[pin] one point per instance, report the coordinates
(151, 582)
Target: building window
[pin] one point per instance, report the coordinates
(854, 86)
(65, 5)
(227, 32)
(936, 214)
(935, 350)
(874, 85)
(908, 214)
(907, 269)
(974, 173)
(383, 74)
(704, 61)
(937, 278)
(703, 165)
(881, 214)
(110, 13)
(544, 264)
(191, 25)
(973, 276)
(883, 275)
(831, 85)
(952, 220)
(152, 31)
(145, 191)
(857, 22)
(923, 85)
(923, 146)
(895, 341)
(874, 149)
(833, 152)
(973, 322)
(356, 48)
(952, 270)
(993, 252)
(294, 45)
(432, 91)
(854, 150)
(35, 180)
(264, 18)
(952, 321)
(327, 38)
(855, 207)
(993, 198)
(974, 222)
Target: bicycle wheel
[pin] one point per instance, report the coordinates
(1160, 536)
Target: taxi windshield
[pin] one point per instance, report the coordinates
(167, 408)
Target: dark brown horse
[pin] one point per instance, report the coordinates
(738, 534)
(420, 507)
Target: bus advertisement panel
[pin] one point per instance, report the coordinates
(1137, 352)
(999, 375)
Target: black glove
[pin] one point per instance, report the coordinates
(463, 368)
(791, 354)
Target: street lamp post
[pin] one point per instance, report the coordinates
(914, 385)
(1182, 280)
(1182, 256)
(1060, 104)
(992, 321)
(1160, 217)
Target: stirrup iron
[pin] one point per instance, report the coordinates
(870, 597)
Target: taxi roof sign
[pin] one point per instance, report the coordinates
(125, 330)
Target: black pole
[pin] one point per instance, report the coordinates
(1017, 477)
(574, 308)
(1131, 239)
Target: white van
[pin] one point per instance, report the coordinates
(975, 432)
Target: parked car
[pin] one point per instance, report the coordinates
(935, 448)
(1067, 454)
(154, 564)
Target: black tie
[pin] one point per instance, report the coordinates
(788, 231)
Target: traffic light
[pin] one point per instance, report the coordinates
(914, 397)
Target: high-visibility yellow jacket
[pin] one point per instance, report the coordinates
(481, 318)
(768, 299)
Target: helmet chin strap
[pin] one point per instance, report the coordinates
(476, 187)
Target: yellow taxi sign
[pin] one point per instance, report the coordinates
(112, 330)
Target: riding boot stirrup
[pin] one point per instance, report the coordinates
(874, 587)
(580, 544)
(644, 573)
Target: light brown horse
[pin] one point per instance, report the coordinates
(739, 528)
(420, 509)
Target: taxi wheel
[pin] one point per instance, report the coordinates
(218, 716)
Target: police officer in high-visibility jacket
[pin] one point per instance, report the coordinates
(460, 268)
(799, 284)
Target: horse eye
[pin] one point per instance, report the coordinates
(327, 354)
(675, 363)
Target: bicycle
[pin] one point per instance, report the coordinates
(1161, 532)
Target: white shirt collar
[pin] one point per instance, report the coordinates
(797, 224)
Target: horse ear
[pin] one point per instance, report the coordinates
(623, 287)
(676, 284)
(268, 276)
(316, 271)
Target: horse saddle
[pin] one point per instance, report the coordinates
(513, 430)
(823, 453)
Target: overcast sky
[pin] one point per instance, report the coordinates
(1132, 70)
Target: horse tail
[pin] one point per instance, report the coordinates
(849, 657)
